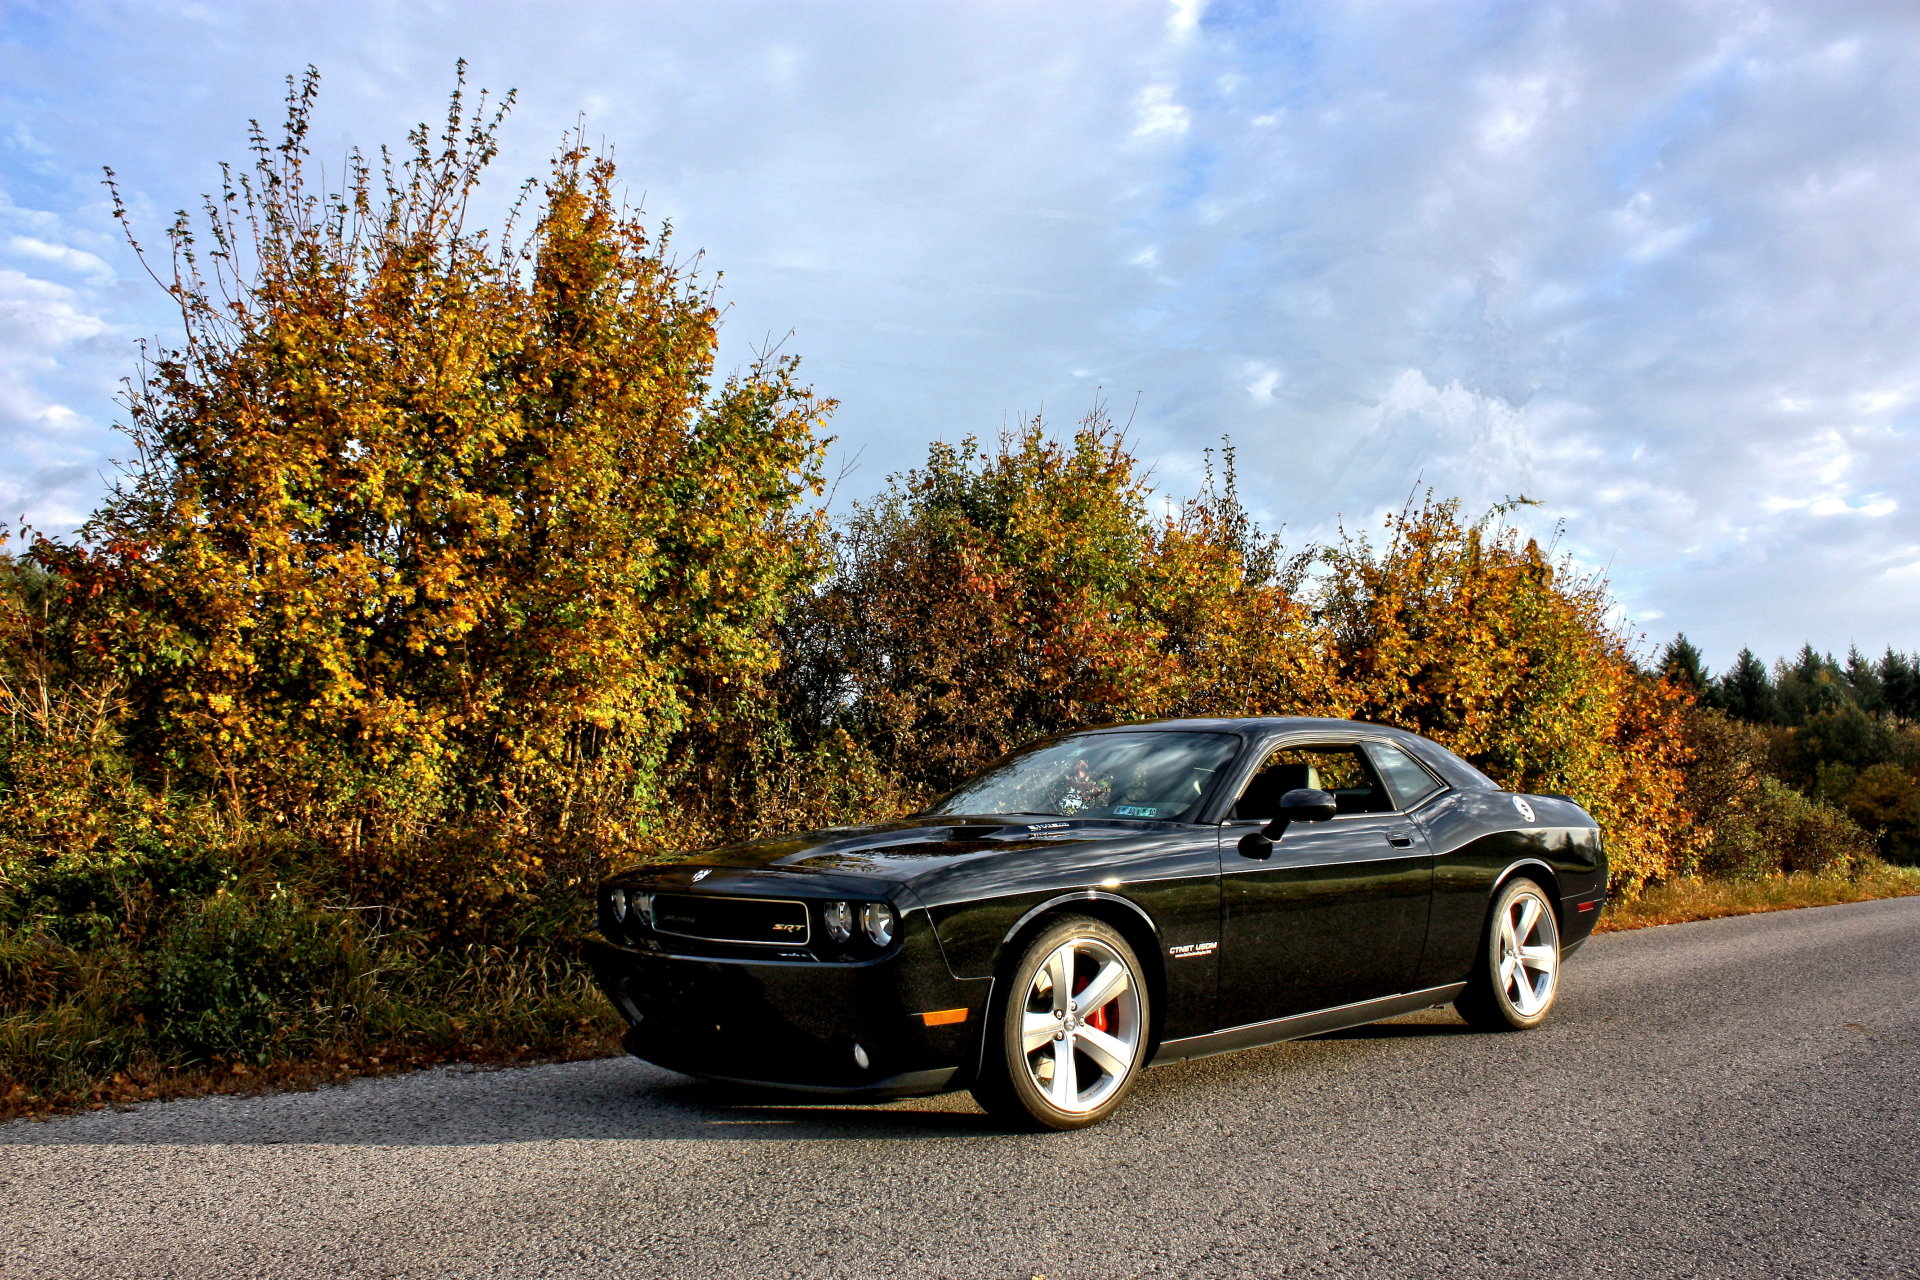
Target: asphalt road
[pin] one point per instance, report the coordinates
(1734, 1098)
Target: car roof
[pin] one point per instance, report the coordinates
(1253, 724)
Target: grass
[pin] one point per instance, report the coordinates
(1678, 901)
(87, 1052)
(147, 1081)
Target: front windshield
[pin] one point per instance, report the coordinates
(1158, 775)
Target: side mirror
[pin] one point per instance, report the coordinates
(1302, 805)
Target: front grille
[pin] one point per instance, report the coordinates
(757, 921)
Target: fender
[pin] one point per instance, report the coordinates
(1553, 879)
(1083, 895)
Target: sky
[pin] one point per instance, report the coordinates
(1652, 265)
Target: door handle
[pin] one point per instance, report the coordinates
(1400, 840)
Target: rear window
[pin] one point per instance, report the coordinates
(1405, 777)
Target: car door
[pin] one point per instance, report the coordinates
(1337, 914)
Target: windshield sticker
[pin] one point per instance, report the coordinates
(1135, 811)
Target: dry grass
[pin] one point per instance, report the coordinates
(147, 1083)
(1678, 901)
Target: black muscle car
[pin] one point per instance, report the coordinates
(1101, 901)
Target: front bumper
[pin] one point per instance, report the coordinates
(796, 1024)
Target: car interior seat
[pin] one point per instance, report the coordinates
(1261, 800)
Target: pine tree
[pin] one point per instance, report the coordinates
(1746, 691)
(1863, 681)
(1900, 684)
(1807, 686)
(1680, 663)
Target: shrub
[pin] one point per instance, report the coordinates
(425, 527)
(1470, 634)
(1748, 823)
(253, 976)
(988, 598)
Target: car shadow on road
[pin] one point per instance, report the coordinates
(611, 1100)
(606, 1100)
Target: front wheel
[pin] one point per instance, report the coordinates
(1071, 1031)
(1517, 975)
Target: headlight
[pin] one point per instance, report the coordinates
(617, 902)
(878, 920)
(642, 906)
(839, 917)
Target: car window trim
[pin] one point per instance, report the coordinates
(1260, 751)
(1441, 785)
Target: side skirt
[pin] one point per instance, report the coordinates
(1301, 1025)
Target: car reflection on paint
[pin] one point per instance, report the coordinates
(1102, 901)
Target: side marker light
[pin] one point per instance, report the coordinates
(944, 1017)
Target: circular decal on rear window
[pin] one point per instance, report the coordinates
(1526, 810)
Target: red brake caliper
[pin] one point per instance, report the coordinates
(1098, 1018)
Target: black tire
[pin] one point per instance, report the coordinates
(1495, 998)
(1028, 1088)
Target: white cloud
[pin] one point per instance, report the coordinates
(1517, 110)
(1158, 114)
(59, 255)
(1183, 16)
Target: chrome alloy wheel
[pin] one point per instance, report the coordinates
(1529, 964)
(1081, 1030)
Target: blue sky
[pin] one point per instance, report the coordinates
(1653, 265)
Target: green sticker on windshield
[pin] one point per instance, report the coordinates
(1136, 810)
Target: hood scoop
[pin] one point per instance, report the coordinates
(979, 833)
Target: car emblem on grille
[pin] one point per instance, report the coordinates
(701, 874)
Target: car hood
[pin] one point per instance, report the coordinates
(902, 850)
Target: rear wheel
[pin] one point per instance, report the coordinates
(1070, 1032)
(1517, 976)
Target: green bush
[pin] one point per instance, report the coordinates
(256, 977)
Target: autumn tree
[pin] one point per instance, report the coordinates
(1468, 632)
(1234, 610)
(426, 521)
(990, 596)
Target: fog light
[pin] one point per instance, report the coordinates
(878, 920)
(860, 1059)
(617, 901)
(839, 921)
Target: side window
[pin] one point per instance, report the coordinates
(1339, 769)
(1405, 777)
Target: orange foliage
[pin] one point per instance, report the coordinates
(988, 598)
(992, 597)
(426, 527)
(1467, 633)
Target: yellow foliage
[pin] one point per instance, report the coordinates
(1469, 634)
(426, 526)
